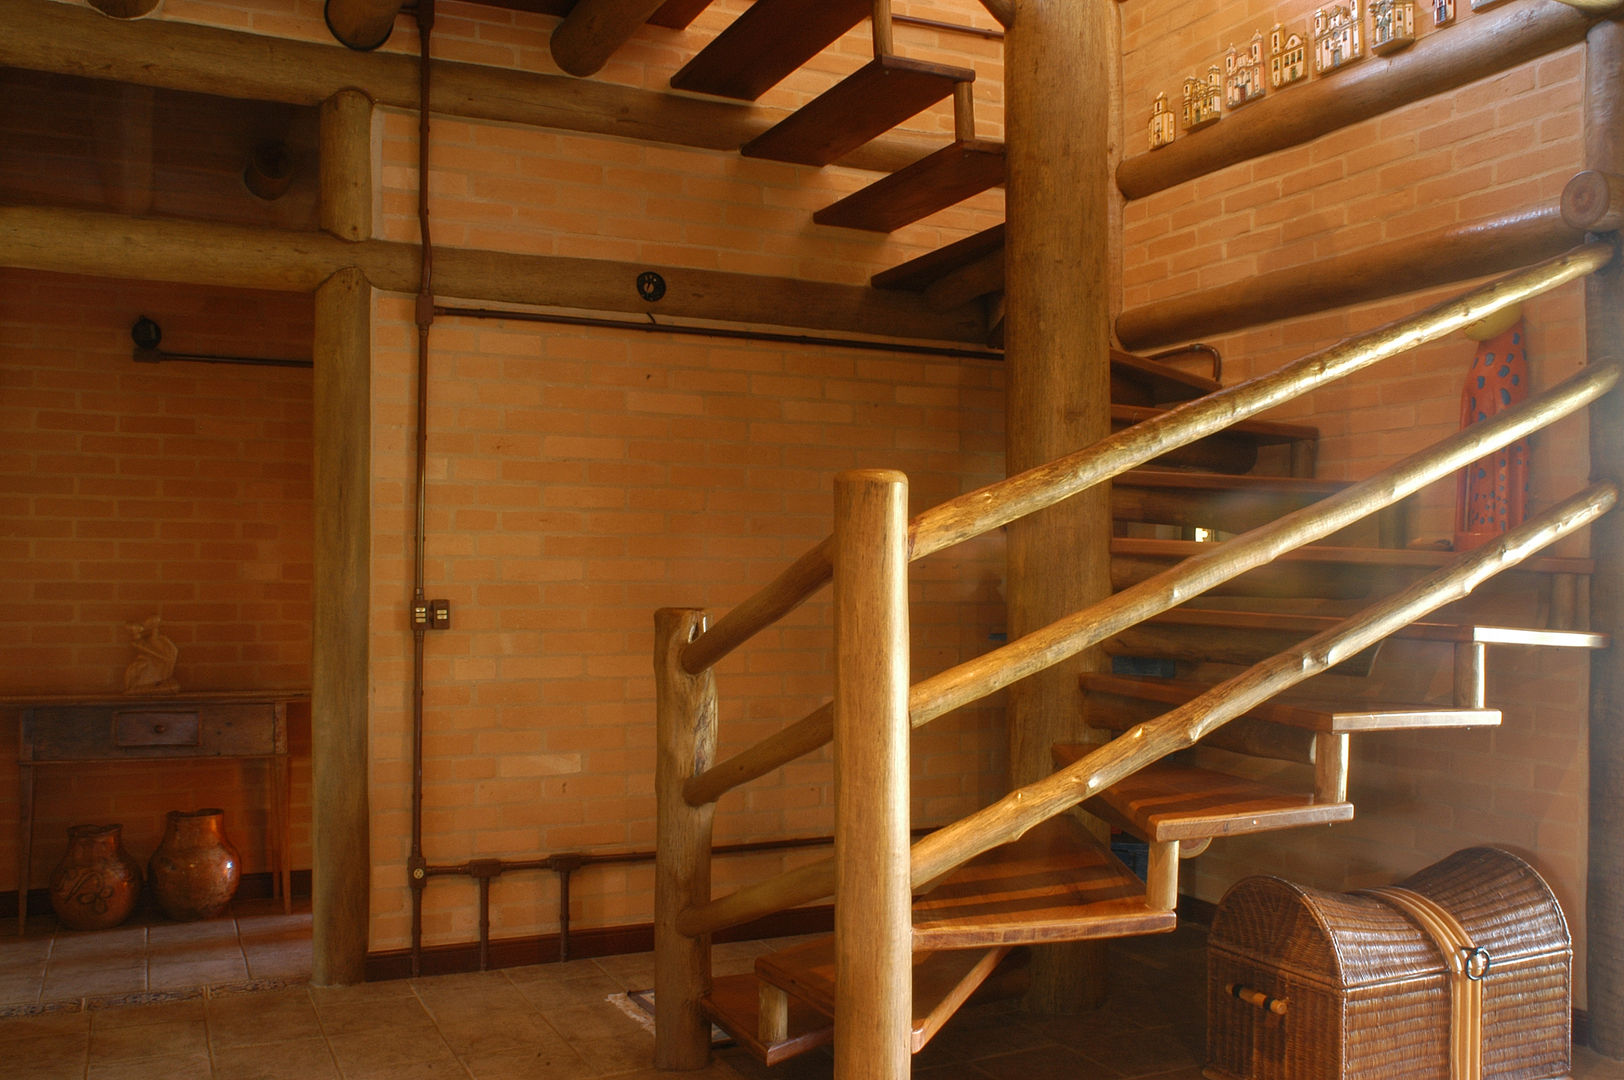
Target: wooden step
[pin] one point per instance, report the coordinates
(1233, 450)
(1056, 883)
(1311, 715)
(950, 175)
(1304, 625)
(942, 981)
(917, 275)
(677, 14)
(762, 46)
(1138, 380)
(863, 106)
(734, 1005)
(1334, 572)
(1163, 802)
(1233, 504)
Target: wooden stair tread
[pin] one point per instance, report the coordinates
(1458, 633)
(1312, 715)
(1164, 382)
(1261, 431)
(763, 45)
(864, 105)
(952, 174)
(942, 981)
(677, 14)
(1305, 487)
(1164, 802)
(1056, 883)
(1329, 553)
(734, 1005)
(916, 275)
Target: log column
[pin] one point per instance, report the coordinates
(685, 738)
(1604, 318)
(346, 165)
(341, 658)
(1057, 365)
(873, 894)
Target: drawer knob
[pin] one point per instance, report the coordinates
(160, 728)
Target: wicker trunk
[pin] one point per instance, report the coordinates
(1310, 985)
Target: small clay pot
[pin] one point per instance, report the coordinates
(195, 870)
(97, 883)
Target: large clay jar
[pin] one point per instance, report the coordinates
(97, 883)
(194, 872)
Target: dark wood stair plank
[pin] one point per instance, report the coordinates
(1453, 633)
(864, 105)
(762, 46)
(677, 14)
(916, 275)
(1163, 802)
(1138, 380)
(1307, 714)
(942, 981)
(734, 1005)
(950, 175)
(1056, 883)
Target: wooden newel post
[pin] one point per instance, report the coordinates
(686, 742)
(873, 897)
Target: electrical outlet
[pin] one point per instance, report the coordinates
(439, 614)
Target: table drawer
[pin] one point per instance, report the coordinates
(147, 728)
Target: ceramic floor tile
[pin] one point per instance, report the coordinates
(389, 1016)
(94, 980)
(168, 1067)
(274, 1015)
(553, 1062)
(547, 987)
(184, 973)
(167, 1037)
(78, 944)
(606, 1037)
(188, 1010)
(394, 1054)
(295, 1059)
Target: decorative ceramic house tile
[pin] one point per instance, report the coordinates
(1443, 12)
(1338, 36)
(1392, 26)
(1243, 73)
(1288, 57)
(1162, 126)
(1202, 99)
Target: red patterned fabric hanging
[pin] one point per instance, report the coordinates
(1491, 494)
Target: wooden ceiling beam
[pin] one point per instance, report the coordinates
(594, 29)
(254, 257)
(67, 40)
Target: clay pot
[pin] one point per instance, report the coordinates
(195, 870)
(97, 883)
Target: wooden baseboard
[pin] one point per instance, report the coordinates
(597, 941)
(257, 886)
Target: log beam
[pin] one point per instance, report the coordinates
(1436, 64)
(1604, 329)
(362, 25)
(1594, 201)
(340, 653)
(41, 35)
(594, 29)
(1420, 262)
(253, 257)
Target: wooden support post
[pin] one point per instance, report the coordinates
(1330, 766)
(340, 669)
(346, 165)
(873, 890)
(685, 739)
(1471, 675)
(1604, 330)
(772, 1014)
(1056, 339)
(884, 40)
(964, 111)
(1162, 876)
(594, 29)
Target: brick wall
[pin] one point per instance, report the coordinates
(1504, 144)
(128, 489)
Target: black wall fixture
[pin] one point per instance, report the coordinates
(147, 334)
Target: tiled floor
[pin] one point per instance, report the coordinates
(253, 944)
(573, 1022)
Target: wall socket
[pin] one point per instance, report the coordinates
(433, 615)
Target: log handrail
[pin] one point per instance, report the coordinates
(960, 685)
(977, 512)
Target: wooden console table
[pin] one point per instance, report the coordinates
(71, 730)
